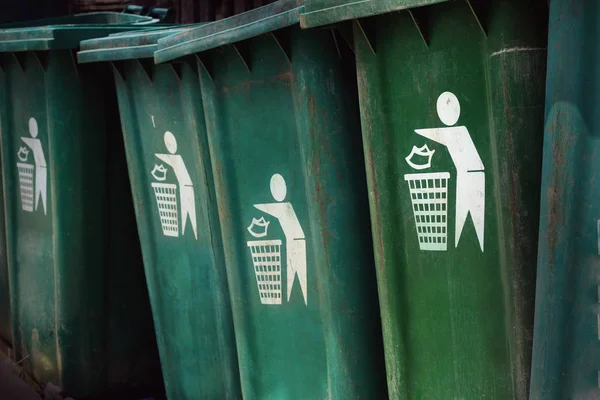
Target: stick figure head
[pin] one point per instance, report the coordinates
(33, 127)
(278, 187)
(448, 108)
(170, 142)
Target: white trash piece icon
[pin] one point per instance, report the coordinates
(429, 198)
(26, 172)
(266, 258)
(166, 200)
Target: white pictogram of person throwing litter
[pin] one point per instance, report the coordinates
(295, 241)
(470, 175)
(186, 187)
(41, 171)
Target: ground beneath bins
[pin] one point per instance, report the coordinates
(12, 387)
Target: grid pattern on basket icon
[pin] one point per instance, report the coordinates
(26, 185)
(429, 197)
(266, 258)
(166, 199)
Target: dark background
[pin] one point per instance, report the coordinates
(185, 11)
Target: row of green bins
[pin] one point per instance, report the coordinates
(451, 101)
(172, 182)
(80, 311)
(566, 351)
(283, 134)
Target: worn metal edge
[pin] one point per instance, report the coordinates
(127, 39)
(58, 37)
(227, 36)
(115, 54)
(25, 45)
(359, 9)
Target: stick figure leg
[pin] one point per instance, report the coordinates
(188, 208)
(41, 187)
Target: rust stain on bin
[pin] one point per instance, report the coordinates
(559, 158)
(321, 193)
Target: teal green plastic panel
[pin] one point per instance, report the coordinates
(451, 104)
(325, 12)
(177, 217)
(5, 320)
(124, 45)
(80, 309)
(285, 144)
(66, 32)
(566, 347)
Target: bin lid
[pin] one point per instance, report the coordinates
(126, 45)
(66, 32)
(324, 12)
(277, 15)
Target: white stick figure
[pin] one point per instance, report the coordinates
(294, 235)
(470, 175)
(186, 187)
(41, 173)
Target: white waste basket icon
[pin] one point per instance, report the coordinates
(429, 197)
(266, 257)
(26, 171)
(166, 200)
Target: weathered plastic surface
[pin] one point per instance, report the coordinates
(284, 138)
(324, 12)
(171, 176)
(452, 114)
(80, 309)
(566, 350)
(63, 33)
(125, 45)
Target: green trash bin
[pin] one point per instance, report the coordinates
(5, 319)
(177, 216)
(284, 138)
(452, 98)
(80, 311)
(566, 346)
